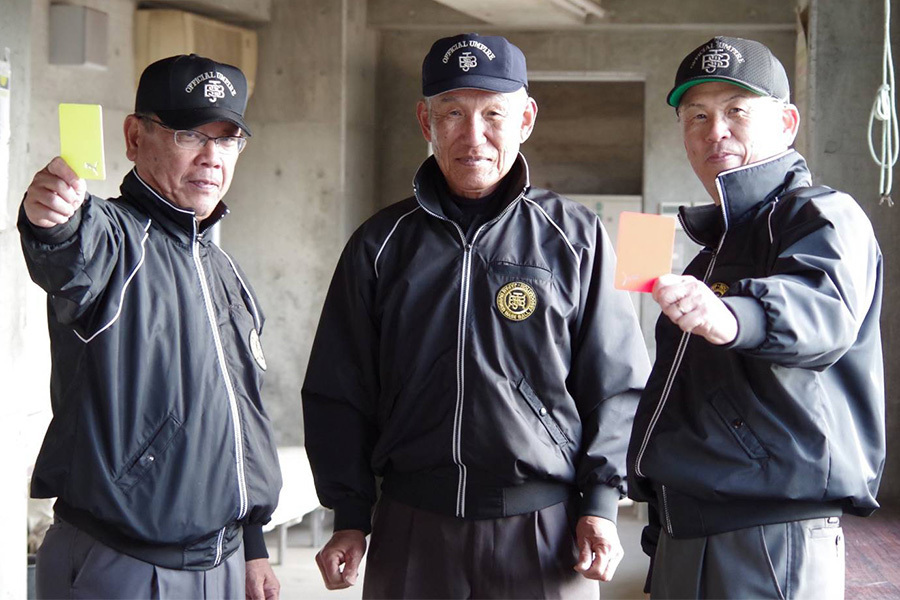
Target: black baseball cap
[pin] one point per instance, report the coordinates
(186, 91)
(469, 60)
(744, 63)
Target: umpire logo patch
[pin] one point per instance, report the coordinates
(256, 350)
(516, 301)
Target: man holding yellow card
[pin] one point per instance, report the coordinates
(763, 419)
(160, 453)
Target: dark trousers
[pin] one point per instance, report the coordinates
(799, 559)
(72, 564)
(420, 554)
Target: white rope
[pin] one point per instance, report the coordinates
(885, 110)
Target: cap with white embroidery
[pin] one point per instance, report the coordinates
(473, 61)
(186, 91)
(744, 63)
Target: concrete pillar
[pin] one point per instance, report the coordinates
(304, 181)
(17, 350)
(845, 52)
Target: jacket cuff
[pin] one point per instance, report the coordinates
(751, 321)
(351, 513)
(50, 236)
(254, 543)
(600, 501)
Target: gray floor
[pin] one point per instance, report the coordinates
(300, 578)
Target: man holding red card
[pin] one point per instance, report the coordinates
(763, 419)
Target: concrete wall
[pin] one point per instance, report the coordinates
(846, 45)
(305, 179)
(21, 347)
(590, 139)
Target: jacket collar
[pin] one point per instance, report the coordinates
(426, 180)
(743, 191)
(178, 222)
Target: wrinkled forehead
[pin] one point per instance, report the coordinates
(478, 97)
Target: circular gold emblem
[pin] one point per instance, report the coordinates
(256, 350)
(719, 288)
(516, 301)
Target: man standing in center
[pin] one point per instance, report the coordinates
(473, 354)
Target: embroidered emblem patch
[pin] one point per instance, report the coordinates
(213, 90)
(516, 301)
(719, 288)
(256, 350)
(215, 85)
(715, 59)
(467, 61)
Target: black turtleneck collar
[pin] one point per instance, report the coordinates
(177, 221)
(743, 191)
(430, 186)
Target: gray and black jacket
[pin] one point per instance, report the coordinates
(480, 376)
(159, 445)
(787, 421)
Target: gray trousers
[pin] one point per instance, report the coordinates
(799, 559)
(72, 564)
(420, 554)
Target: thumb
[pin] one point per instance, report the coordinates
(351, 567)
(80, 189)
(585, 555)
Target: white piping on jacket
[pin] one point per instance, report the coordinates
(390, 233)
(558, 229)
(124, 287)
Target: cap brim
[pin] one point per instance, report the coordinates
(674, 97)
(473, 82)
(194, 117)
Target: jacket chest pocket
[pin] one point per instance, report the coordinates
(543, 414)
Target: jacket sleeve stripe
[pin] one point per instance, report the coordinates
(384, 243)
(124, 287)
(552, 222)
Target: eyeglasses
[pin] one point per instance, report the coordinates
(190, 139)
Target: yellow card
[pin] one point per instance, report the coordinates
(643, 250)
(81, 139)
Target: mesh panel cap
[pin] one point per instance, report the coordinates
(745, 63)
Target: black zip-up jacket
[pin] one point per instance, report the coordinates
(159, 445)
(417, 376)
(787, 421)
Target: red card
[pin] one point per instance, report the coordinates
(643, 250)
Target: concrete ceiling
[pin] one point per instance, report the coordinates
(519, 13)
(536, 15)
